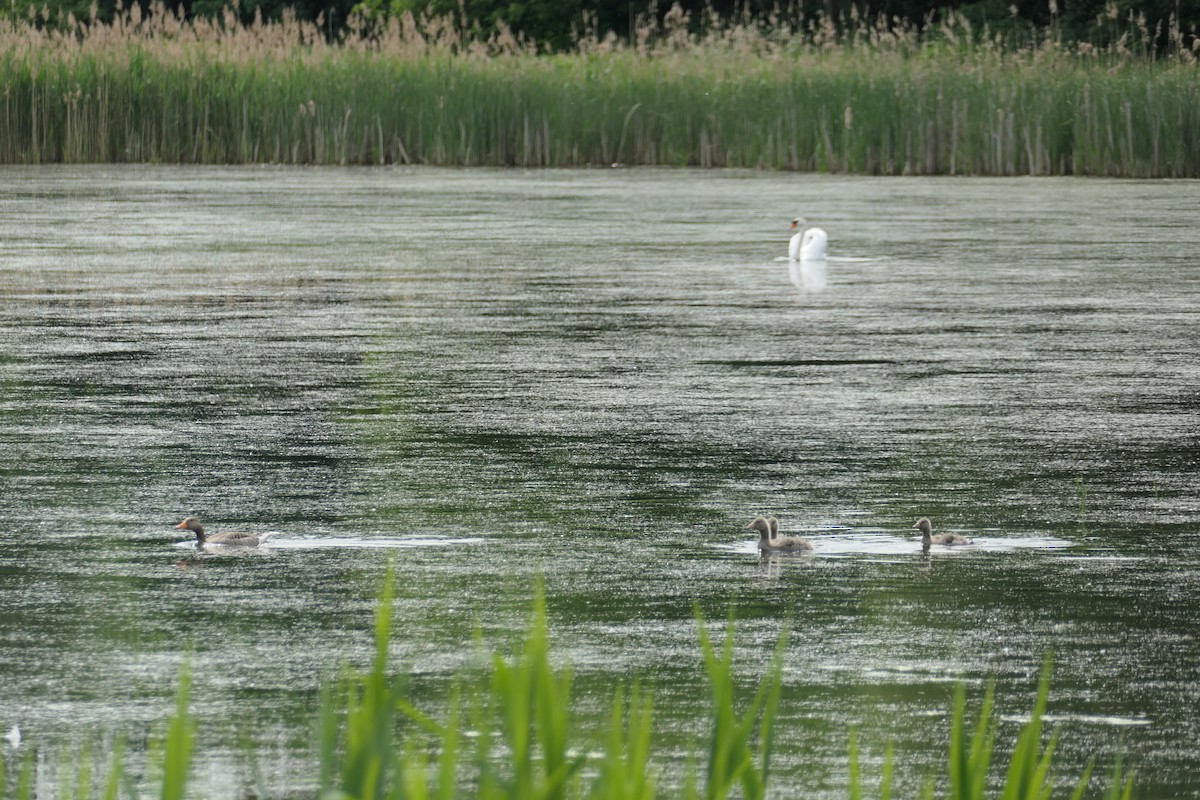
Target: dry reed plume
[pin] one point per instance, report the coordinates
(871, 96)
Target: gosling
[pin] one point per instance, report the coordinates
(927, 537)
(769, 538)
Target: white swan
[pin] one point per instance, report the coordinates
(807, 244)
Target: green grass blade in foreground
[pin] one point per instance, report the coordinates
(24, 788)
(1081, 787)
(113, 785)
(83, 776)
(524, 709)
(1120, 785)
(731, 758)
(885, 782)
(552, 696)
(725, 759)
(180, 741)
(371, 714)
(448, 758)
(1028, 771)
(327, 739)
(971, 758)
(534, 703)
(625, 772)
(511, 694)
(770, 691)
(885, 775)
(257, 787)
(855, 776)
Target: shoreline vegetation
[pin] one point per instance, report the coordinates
(509, 733)
(865, 96)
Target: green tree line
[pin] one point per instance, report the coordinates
(554, 24)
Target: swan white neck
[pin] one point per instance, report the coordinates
(808, 244)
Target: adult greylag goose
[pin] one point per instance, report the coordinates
(226, 538)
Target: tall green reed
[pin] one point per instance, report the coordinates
(625, 772)
(510, 734)
(882, 100)
(23, 789)
(731, 752)
(179, 742)
(531, 702)
(1029, 773)
(520, 713)
(369, 710)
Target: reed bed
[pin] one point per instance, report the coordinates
(510, 734)
(802, 95)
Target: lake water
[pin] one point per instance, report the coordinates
(599, 377)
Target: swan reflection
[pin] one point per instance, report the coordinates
(809, 276)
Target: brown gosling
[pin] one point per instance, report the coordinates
(927, 537)
(769, 538)
(225, 539)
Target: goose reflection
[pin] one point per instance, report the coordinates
(770, 565)
(924, 567)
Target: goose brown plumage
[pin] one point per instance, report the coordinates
(226, 538)
(927, 537)
(769, 538)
